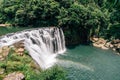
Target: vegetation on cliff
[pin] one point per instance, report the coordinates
(17, 64)
(80, 19)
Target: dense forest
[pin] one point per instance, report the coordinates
(80, 19)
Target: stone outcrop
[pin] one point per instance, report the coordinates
(4, 51)
(5, 25)
(2, 71)
(115, 44)
(18, 49)
(104, 44)
(14, 76)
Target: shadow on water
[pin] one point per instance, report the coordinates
(75, 45)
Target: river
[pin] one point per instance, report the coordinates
(90, 63)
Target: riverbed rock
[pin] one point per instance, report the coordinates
(104, 44)
(99, 43)
(14, 76)
(115, 41)
(104, 47)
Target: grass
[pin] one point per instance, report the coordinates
(16, 63)
(54, 73)
(26, 65)
(5, 30)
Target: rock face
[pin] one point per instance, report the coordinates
(104, 44)
(4, 51)
(18, 48)
(100, 42)
(116, 45)
(14, 76)
(1, 71)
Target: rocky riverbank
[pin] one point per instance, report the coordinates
(104, 44)
(15, 63)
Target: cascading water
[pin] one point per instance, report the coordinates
(43, 44)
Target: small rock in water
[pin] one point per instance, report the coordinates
(14, 76)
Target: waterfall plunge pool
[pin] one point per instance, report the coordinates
(90, 63)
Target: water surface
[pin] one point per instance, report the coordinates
(90, 63)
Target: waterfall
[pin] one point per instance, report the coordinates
(43, 44)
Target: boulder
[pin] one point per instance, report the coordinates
(2, 71)
(103, 47)
(102, 43)
(107, 44)
(5, 51)
(115, 41)
(95, 39)
(0, 50)
(14, 76)
(1, 58)
(111, 46)
(19, 44)
(20, 50)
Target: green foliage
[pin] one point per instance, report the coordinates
(5, 30)
(114, 32)
(91, 17)
(25, 64)
(54, 73)
(14, 63)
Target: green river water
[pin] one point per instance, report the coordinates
(90, 63)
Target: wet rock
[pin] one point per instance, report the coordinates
(19, 44)
(103, 47)
(115, 41)
(111, 46)
(118, 50)
(107, 44)
(14, 76)
(102, 43)
(97, 45)
(94, 39)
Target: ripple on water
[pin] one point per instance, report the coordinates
(89, 63)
